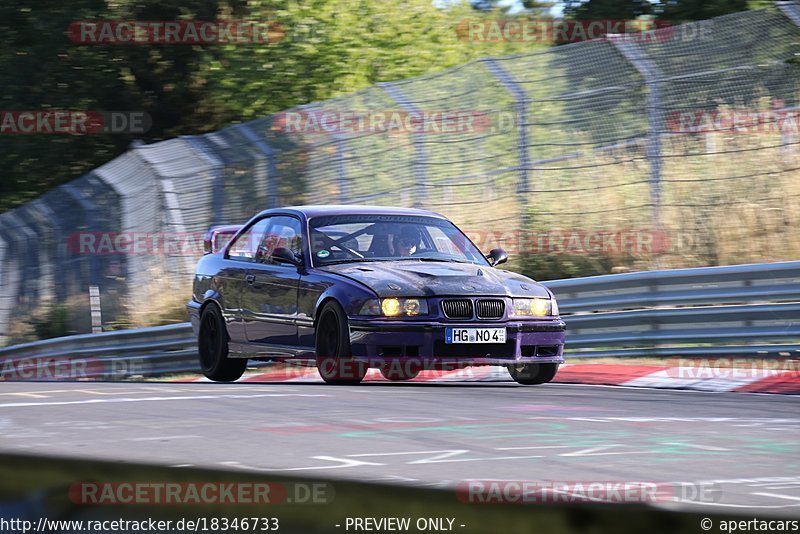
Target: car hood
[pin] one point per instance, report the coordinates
(427, 279)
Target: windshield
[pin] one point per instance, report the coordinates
(353, 238)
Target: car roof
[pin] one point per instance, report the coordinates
(348, 209)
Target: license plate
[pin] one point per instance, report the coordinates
(474, 335)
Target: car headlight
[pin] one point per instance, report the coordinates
(393, 307)
(535, 307)
(390, 307)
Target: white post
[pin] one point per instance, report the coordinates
(94, 305)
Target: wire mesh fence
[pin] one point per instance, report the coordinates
(678, 149)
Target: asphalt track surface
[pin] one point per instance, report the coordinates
(746, 447)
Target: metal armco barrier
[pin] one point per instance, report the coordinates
(748, 310)
(113, 355)
(741, 309)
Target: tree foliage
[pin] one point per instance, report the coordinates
(672, 10)
(329, 48)
(687, 10)
(607, 9)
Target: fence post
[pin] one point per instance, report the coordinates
(791, 10)
(9, 278)
(341, 170)
(176, 224)
(217, 164)
(655, 116)
(94, 306)
(340, 143)
(272, 169)
(420, 156)
(90, 209)
(521, 101)
(5, 305)
(60, 250)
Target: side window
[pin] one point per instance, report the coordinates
(245, 248)
(283, 232)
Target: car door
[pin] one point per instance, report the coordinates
(232, 277)
(270, 316)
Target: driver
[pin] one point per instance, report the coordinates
(406, 241)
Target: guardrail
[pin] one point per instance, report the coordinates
(154, 351)
(751, 310)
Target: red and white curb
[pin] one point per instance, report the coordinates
(647, 376)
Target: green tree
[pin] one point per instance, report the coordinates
(329, 48)
(41, 69)
(673, 10)
(532, 7)
(607, 9)
(688, 10)
(488, 5)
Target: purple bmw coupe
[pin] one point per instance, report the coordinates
(354, 287)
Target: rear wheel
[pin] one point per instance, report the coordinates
(533, 373)
(334, 361)
(212, 345)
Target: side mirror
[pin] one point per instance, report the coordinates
(217, 237)
(497, 256)
(284, 255)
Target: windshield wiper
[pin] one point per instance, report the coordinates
(351, 260)
(446, 260)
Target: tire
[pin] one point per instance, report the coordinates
(533, 373)
(334, 361)
(396, 375)
(212, 346)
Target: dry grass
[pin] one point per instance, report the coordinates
(722, 209)
(162, 302)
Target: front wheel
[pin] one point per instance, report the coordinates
(334, 361)
(212, 345)
(533, 373)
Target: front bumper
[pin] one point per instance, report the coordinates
(526, 342)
